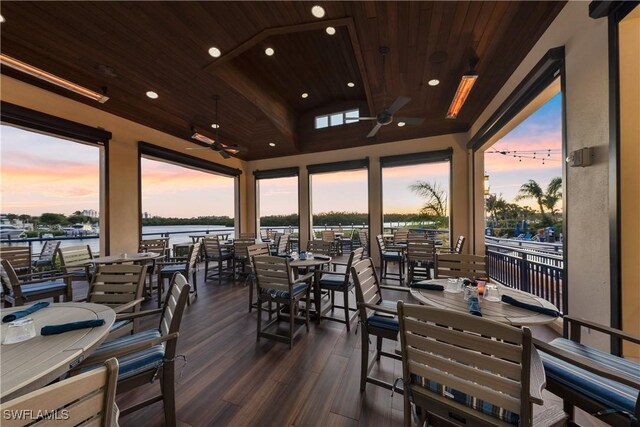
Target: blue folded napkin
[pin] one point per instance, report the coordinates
(66, 327)
(427, 286)
(474, 306)
(322, 257)
(532, 307)
(25, 312)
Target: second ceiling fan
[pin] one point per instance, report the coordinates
(385, 117)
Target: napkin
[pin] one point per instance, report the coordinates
(322, 257)
(537, 308)
(474, 306)
(427, 286)
(66, 327)
(23, 313)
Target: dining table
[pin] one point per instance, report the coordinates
(316, 262)
(494, 310)
(117, 259)
(29, 365)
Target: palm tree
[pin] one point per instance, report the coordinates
(532, 190)
(553, 195)
(436, 205)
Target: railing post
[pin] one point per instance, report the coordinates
(524, 273)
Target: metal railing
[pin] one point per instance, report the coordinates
(526, 244)
(541, 274)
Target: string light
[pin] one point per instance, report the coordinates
(531, 154)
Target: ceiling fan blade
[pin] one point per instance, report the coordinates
(374, 130)
(413, 121)
(400, 102)
(198, 148)
(355, 119)
(224, 154)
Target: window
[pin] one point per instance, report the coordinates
(277, 200)
(337, 119)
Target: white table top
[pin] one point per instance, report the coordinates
(498, 311)
(32, 364)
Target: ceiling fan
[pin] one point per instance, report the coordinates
(225, 150)
(386, 115)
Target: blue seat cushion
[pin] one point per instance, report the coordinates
(466, 400)
(175, 268)
(222, 257)
(333, 281)
(298, 288)
(384, 322)
(39, 288)
(392, 255)
(609, 393)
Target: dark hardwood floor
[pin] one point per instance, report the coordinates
(230, 379)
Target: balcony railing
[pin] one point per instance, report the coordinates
(532, 270)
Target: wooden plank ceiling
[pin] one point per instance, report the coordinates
(129, 48)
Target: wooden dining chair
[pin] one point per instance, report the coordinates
(377, 317)
(471, 371)
(73, 255)
(88, 399)
(47, 258)
(119, 286)
(282, 244)
(187, 268)
(333, 282)
(460, 265)
(215, 251)
(150, 353)
(157, 246)
(321, 247)
(455, 249)
(400, 236)
(388, 255)
(257, 250)
(247, 236)
(421, 257)
(27, 288)
(276, 284)
(19, 257)
(363, 235)
(241, 256)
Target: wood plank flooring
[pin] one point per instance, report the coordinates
(231, 379)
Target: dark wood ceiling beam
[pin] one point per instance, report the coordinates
(272, 105)
(298, 28)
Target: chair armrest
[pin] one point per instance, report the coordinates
(127, 306)
(538, 380)
(602, 328)
(395, 288)
(43, 279)
(304, 278)
(129, 316)
(320, 273)
(42, 274)
(119, 352)
(378, 308)
(585, 363)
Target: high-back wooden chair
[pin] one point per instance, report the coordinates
(31, 287)
(47, 257)
(282, 244)
(261, 249)
(421, 257)
(156, 347)
(247, 236)
(276, 284)
(460, 265)
(166, 270)
(416, 235)
(78, 254)
(157, 246)
(468, 370)
(388, 255)
(320, 247)
(400, 236)
(120, 287)
(455, 249)
(87, 399)
(333, 282)
(363, 235)
(377, 317)
(216, 251)
(241, 255)
(19, 257)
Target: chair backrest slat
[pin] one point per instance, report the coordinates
(460, 265)
(174, 304)
(18, 256)
(320, 247)
(367, 285)
(117, 284)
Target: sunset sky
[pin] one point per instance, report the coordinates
(40, 174)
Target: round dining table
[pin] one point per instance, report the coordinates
(32, 364)
(494, 310)
(317, 261)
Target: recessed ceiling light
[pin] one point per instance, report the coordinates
(351, 84)
(330, 30)
(215, 52)
(272, 144)
(269, 51)
(215, 125)
(317, 11)
(434, 82)
(151, 94)
(400, 124)
(1, 18)
(305, 95)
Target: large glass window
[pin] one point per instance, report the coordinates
(180, 201)
(278, 204)
(50, 188)
(339, 199)
(417, 197)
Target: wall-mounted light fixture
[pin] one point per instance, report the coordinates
(581, 157)
(51, 78)
(464, 88)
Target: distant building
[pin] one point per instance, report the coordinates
(145, 215)
(91, 213)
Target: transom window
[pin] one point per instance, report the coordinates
(337, 119)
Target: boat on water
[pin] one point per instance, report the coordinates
(8, 231)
